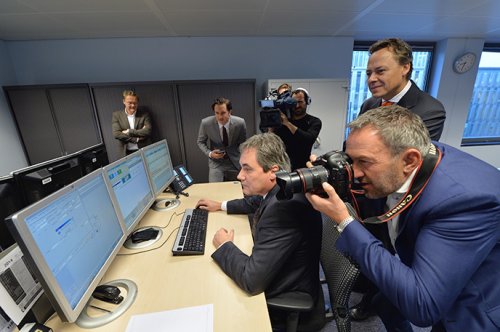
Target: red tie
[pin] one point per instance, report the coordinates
(387, 103)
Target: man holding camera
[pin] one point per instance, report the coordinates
(285, 255)
(219, 138)
(299, 132)
(443, 220)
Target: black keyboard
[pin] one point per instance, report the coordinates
(191, 235)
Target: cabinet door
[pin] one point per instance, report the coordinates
(195, 100)
(36, 124)
(74, 114)
(156, 98)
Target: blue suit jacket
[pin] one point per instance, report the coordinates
(449, 249)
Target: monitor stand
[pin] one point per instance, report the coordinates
(129, 244)
(165, 204)
(87, 322)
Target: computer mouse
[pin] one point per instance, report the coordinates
(108, 293)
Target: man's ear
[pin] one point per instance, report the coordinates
(274, 169)
(411, 160)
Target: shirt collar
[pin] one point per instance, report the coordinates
(400, 95)
(404, 188)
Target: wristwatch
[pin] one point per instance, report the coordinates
(343, 224)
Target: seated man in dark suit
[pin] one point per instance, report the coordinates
(286, 233)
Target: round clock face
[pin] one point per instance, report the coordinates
(464, 62)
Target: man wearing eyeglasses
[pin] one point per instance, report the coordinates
(131, 127)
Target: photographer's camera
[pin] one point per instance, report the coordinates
(333, 167)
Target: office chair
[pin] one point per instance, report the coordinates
(340, 273)
(293, 303)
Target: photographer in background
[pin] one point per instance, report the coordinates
(443, 218)
(300, 131)
(219, 138)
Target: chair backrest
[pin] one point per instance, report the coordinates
(340, 274)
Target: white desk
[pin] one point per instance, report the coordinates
(166, 282)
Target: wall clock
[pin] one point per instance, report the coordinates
(464, 62)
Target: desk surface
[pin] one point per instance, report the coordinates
(166, 282)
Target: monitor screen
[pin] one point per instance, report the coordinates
(71, 238)
(10, 202)
(41, 180)
(159, 165)
(128, 182)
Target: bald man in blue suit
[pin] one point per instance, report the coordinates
(447, 269)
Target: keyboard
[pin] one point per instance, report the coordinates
(191, 235)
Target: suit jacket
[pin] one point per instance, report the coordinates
(209, 139)
(285, 255)
(419, 102)
(449, 249)
(142, 128)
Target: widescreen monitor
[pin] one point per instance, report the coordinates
(92, 158)
(70, 238)
(161, 172)
(11, 201)
(41, 180)
(128, 182)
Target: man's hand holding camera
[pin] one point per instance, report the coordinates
(286, 122)
(332, 206)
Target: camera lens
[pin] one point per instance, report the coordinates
(301, 181)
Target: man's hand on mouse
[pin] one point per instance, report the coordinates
(207, 204)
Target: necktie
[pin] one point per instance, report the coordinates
(256, 218)
(387, 103)
(225, 139)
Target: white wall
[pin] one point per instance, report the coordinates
(455, 92)
(11, 149)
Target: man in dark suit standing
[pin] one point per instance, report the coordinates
(286, 233)
(219, 138)
(388, 77)
(131, 127)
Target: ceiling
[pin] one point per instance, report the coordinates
(422, 20)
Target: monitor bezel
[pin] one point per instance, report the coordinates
(22, 234)
(114, 199)
(150, 176)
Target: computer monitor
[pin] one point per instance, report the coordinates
(11, 201)
(128, 183)
(70, 238)
(92, 158)
(161, 172)
(41, 180)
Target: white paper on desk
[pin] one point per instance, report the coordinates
(19, 288)
(190, 319)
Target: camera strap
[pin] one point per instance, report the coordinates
(417, 185)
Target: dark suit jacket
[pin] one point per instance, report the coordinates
(285, 255)
(419, 102)
(449, 249)
(142, 128)
(209, 139)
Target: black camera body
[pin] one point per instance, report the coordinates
(333, 167)
(273, 106)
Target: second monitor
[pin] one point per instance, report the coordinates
(161, 173)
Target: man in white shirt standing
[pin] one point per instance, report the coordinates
(131, 127)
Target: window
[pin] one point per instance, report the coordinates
(483, 122)
(359, 92)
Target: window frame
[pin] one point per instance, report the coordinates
(488, 47)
